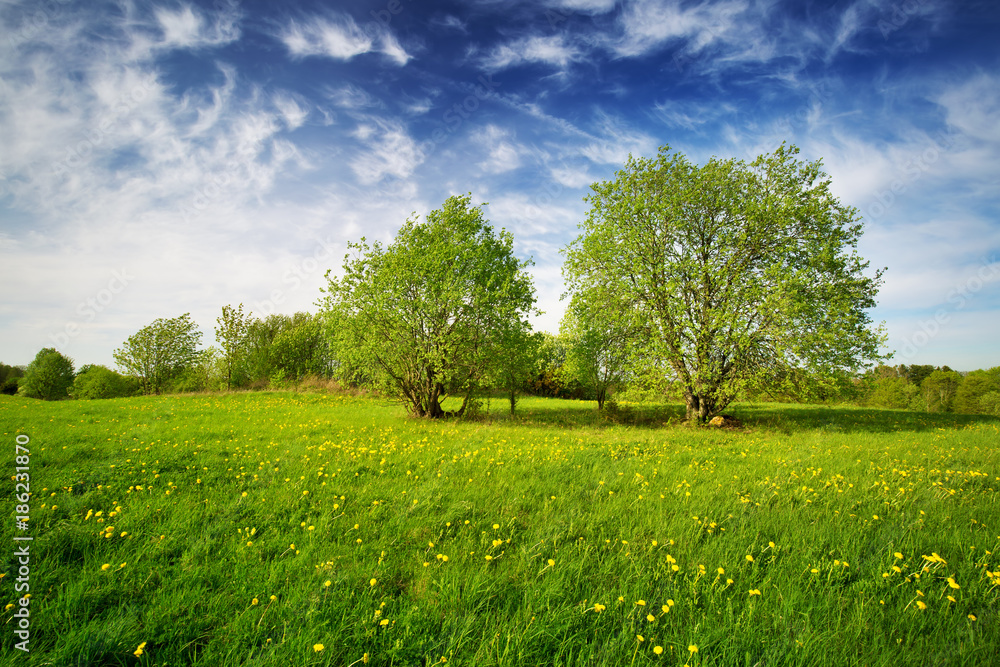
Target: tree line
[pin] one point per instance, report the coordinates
(706, 284)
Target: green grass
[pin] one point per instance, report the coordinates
(490, 543)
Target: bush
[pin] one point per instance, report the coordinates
(9, 386)
(48, 377)
(95, 382)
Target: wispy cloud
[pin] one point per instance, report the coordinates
(389, 151)
(553, 51)
(338, 36)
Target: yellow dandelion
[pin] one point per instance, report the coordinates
(373, 582)
(754, 591)
(770, 544)
(657, 650)
(274, 598)
(551, 563)
(721, 571)
(384, 622)
(488, 557)
(139, 650)
(641, 603)
(326, 584)
(640, 638)
(693, 648)
(749, 558)
(599, 608)
(898, 555)
(952, 583)
(650, 618)
(318, 647)
(921, 606)
(254, 601)
(972, 617)
(106, 566)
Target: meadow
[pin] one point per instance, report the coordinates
(321, 529)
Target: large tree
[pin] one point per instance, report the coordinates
(735, 272)
(230, 333)
(428, 316)
(160, 352)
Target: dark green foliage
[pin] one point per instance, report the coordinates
(95, 381)
(48, 377)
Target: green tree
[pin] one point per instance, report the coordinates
(230, 333)
(95, 382)
(422, 317)
(49, 376)
(158, 353)
(970, 393)
(301, 348)
(599, 342)
(735, 271)
(517, 357)
(938, 390)
(10, 377)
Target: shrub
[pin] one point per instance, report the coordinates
(95, 382)
(48, 377)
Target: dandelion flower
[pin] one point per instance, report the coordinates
(599, 608)
(920, 605)
(373, 582)
(898, 555)
(754, 591)
(640, 638)
(952, 583)
(273, 598)
(138, 651)
(972, 617)
(384, 622)
(551, 563)
(106, 566)
(650, 618)
(254, 601)
(641, 603)
(657, 650)
(721, 571)
(489, 557)
(318, 647)
(326, 584)
(749, 558)
(693, 648)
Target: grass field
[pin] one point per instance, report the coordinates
(308, 529)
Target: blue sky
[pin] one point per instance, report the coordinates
(163, 158)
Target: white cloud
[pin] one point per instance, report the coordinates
(187, 28)
(973, 106)
(294, 114)
(338, 36)
(503, 153)
(552, 50)
(390, 151)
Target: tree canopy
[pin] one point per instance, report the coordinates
(160, 351)
(734, 272)
(49, 376)
(430, 315)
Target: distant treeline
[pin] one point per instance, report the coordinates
(289, 351)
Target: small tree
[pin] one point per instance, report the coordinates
(230, 333)
(735, 272)
(48, 377)
(599, 343)
(426, 316)
(160, 351)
